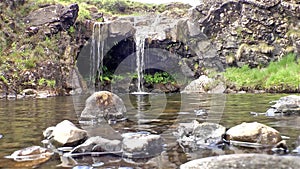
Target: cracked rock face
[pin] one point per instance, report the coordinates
(52, 19)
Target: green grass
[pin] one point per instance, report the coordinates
(159, 77)
(283, 75)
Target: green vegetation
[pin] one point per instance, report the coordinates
(110, 7)
(159, 77)
(283, 75)
(45, 82)
(156, 78)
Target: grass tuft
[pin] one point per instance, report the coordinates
(283, 75)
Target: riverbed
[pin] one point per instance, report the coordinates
(23, 121)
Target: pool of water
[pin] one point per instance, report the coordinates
(23, 121)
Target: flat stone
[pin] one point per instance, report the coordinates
(32, 153)
(98, 144)
(141, 144)
(249, 161)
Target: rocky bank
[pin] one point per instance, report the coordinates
(43, 43)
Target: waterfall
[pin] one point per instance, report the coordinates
(97, 52)
(143, 32)
(140, 63)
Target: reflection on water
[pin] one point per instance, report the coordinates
(23, 121)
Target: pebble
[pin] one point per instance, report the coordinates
(200, 112)
(99, 164)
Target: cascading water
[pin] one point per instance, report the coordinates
(140, 63)
(97, 52)
(142, 32)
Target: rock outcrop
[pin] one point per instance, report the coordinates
(249, 31)
(52, 19)
(254, 133)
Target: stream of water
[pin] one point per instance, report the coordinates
(97, 52)
(23, 121)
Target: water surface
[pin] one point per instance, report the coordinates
(23, 121)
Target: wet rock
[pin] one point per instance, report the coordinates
(195, 134)
(249, 161)
(98, 144)
(141, 144)
(201, 113)
(52, 19)
(65, 133)
(199, 85)
(297, 149)
(281, 148)
(29, 92)
(43, 94)
(75, 82)
(105, 105)
(2, 95)
(287, 105)
(33, 153)
(254, 133)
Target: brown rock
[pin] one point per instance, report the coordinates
(255, 133)
(105, 105)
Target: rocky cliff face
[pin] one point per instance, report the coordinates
(218, 34)
(41, 48)
(250, 31)
(215, 34)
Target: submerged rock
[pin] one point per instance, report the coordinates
(30, 156)
(286, 105)
(98, 144)
(249, 161)
(65, 133)
(105, 105)
(254, 133)
(141, 144)
(195, 134)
